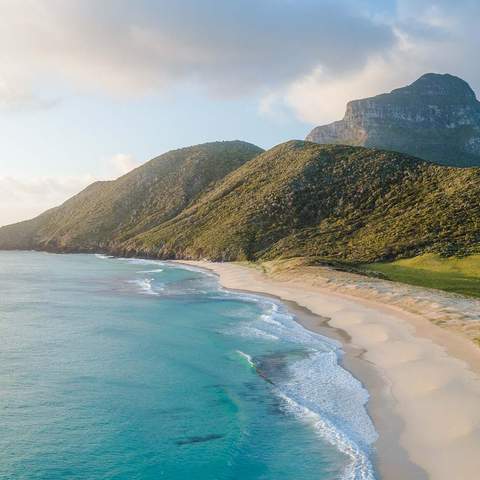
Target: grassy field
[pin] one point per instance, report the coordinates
(459, 275)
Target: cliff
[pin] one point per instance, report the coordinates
(436, 118)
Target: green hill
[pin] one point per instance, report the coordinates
(350, 204)
(108, 213)
(229, 201)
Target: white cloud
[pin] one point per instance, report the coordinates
(123, 163)
(133, 47)
(21, 199)
(441, 37)
(309, 56)
(305, 56)
(14, 98)
(321, 98)
(24, 198)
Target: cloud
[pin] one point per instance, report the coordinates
(441, 36)
(123, 163)
(14, 99)
(21, 199)
(129, 47)
(321, 98)
(301, 57)
(24, 198)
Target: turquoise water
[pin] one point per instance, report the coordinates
(131, 369)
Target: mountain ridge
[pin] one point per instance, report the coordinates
(299, 199)
(436, 118)
(328, 201)
(146, 196)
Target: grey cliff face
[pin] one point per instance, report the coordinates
(436, 118)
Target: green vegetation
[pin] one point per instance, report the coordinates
(346, 204)
(458, 275)
(108, 213)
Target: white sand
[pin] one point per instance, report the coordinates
(436, 394)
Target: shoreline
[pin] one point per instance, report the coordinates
(390, 458)
(424, 384)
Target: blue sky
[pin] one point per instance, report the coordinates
(90, 89)
(83, 132)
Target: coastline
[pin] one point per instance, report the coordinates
(391, 459)
(424, 382)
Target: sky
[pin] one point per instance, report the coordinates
(90, 89)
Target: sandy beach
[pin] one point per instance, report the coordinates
(425, 390)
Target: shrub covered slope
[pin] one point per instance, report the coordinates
(226, 201)
(107, 213)
(347, 203)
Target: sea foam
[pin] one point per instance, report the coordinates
(246, 357)
(317, 389)
(155, 270)
(359, 467)
(101, 256)
(145, 286)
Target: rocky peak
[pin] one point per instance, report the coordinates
(438, 85)
(436, 118)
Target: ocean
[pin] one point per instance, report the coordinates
(140, 369)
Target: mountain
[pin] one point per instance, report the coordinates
(108, 213)
(436, 118)
(344, 203)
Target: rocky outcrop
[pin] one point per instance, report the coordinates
(436, 118)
